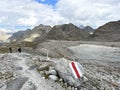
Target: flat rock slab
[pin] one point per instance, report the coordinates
(16, 84)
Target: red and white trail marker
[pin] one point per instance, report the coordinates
(77, 69)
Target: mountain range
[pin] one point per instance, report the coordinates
(45, 32)
(30, 35)
(107, 32)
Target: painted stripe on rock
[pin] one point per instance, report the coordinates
(70, 65)
(79, 68)
(75, 69)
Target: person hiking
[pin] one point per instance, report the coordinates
(19, 49)
(10, 49)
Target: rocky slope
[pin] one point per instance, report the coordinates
(24, 71)
(108, 32)
(17, 36)
(67, 32)
(30, 35)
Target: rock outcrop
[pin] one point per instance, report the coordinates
(108, 32)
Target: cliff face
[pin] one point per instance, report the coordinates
(108, 32)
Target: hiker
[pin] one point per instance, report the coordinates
(19, 49)
(10, 49)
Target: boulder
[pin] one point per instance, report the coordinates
(16, 84)
(18, 68)
(53, 77)
(64, 72)
(44, 66)
(52, 72)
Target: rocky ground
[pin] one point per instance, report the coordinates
(17, 73)
(25, 71)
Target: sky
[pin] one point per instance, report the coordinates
(23, 14)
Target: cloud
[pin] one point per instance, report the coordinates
(89, 12)
(29, 13)
(3, 19)
(27, 21)
(5, 30)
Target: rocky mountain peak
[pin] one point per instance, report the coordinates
(42, 27)
(66, 32)
(88, 28)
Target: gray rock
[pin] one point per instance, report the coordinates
(29, 85)
(51, 68)
(16, 84)
(69, 88)
(85, 79)
(64, 72)
(18, 68)
(32, 67)
(52, 72)
(33, 87)
(53, 77)
(75, 89)
(44, 66)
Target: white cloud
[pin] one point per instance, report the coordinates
(5, 30)
(30, 13)
(27, 21)
(3, 19)
(89, 12)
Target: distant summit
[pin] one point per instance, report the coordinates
(81, 27)
(67, 32)
(88, 29)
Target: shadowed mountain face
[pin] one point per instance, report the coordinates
(30, 35)
(18, 35)
(67, 32)
(88, 28)
(108, 32)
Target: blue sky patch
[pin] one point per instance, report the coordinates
(49, 2)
